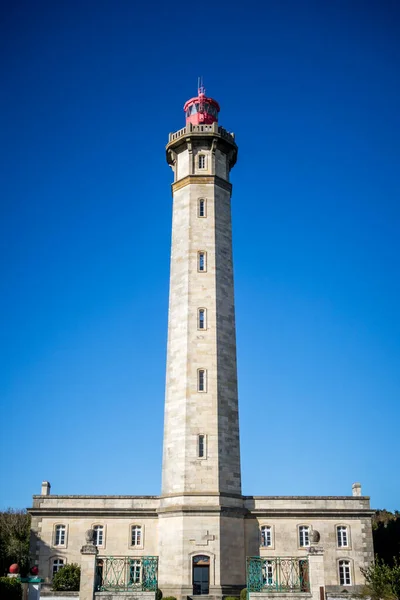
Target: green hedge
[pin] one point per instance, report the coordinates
(67, 579)
(169, 598)
(231, 597)
(243, 594)
(10, 588)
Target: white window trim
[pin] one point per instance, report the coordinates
(205, 261)
(298, 535)
(65, 544)
(205, 208)
(103, 545)
(203, 391)
(350, 565)
(138, 560)
(141, 545)
(204, 457)
(272, 531)
(348, 547)
(51, 564)
(204, 319)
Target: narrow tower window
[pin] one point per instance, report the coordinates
(202, 161)
(202, 266)
(201, 324)
(201, 446)
(201, 208)
(201, 380)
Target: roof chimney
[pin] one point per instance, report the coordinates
(45, 488)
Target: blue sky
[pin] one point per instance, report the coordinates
(90, 91)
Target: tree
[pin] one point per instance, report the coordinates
(14, 539)
(382, 581)
(67, 578)
(386, 534)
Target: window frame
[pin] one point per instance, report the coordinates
(300, 529)
(202, 254)
(55, 532)
(268, 565)
(203, 311)
(202, 438)
(338, 527)
(264, 526)
(201, 158)
(204, 382)
(202, 202)
(103, 544)
(138, 525)
(54, 559)
(133, 564)
(345, 563)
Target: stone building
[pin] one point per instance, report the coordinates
(201, 527)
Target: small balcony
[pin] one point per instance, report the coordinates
(279, 575)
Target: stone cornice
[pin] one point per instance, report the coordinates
(103, 511)
(202, 179)
(310, 513)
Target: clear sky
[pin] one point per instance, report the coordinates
(89, 92)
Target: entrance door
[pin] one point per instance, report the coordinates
(201, 575)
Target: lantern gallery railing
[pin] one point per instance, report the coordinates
(126, 573)
(277, 574)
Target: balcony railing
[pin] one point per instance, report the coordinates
(190, 128)
(277, 574)
(126, 573)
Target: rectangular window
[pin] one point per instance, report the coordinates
(135, 570)
(344, 572)
(202, 319)
(98, 535)
(342, 537)
(201, 208)
(202, 261)
(136, 535)
(58, 563)
(268, 573)
(266, 536)
(202, 161)
(201, 446)
(60, 535)
(201, 380)
(304, 536)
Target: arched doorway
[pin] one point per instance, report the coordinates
(201, 574)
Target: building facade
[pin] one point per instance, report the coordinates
(201, 526)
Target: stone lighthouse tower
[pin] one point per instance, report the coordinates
(201, 527)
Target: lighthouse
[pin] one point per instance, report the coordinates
(201, 507)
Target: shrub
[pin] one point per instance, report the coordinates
(231, 597)
(67, 579)
(10, 588)
(158, 594)
(243, 594)
(169, 598)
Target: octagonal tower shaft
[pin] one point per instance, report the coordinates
(201, 431)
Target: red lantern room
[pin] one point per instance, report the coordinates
(201, 110)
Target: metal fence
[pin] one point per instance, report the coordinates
(277, 574)
(126, 573)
